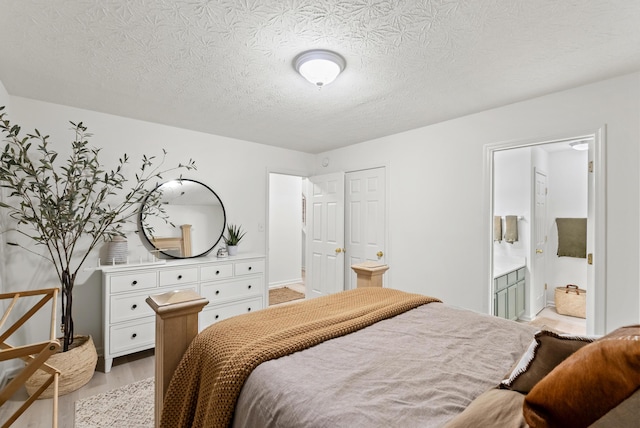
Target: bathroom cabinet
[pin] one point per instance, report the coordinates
(509, 294)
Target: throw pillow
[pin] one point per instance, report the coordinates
(588, 384)
(547, 350)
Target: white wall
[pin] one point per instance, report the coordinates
(236, 170)
(4, 101)
(285, 229)
(568, 196)
(437, 191)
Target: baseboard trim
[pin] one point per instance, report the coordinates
(281, 284)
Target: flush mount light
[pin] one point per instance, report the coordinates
(580, 145)
(319, 66)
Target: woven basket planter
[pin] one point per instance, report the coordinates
(76, 368)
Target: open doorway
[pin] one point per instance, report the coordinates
(286, 237)
(532, 184)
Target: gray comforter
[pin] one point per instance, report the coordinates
(418, 369)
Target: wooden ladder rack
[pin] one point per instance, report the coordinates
(34, 355)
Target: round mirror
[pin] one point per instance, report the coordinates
(182, 218)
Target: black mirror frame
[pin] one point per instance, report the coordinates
(144, 233)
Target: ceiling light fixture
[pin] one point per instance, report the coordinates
(319, 66)
(580, 145)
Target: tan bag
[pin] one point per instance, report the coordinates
(571, 300)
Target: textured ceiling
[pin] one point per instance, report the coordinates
(224, 66)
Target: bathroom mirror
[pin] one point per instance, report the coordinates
(182, 218)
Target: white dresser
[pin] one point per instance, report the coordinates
(233, 286)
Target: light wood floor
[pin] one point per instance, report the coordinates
(125, 370)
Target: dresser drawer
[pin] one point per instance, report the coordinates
(132, 336)
(221, 312)
(178, 276)
(230, 290)
(128, 307)
(248, 268)
(212, 273)
(133, 282)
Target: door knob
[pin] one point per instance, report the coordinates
(379, 254)
(538, 251)
(340, 250)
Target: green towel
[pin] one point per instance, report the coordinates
(572, 237)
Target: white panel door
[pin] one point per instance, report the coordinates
(539, 225)
(325, 261)
(364, 220)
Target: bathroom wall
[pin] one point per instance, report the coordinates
(567, 197)
(512, 196)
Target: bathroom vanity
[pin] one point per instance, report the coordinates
(509, 288)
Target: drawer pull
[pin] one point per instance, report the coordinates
(217, 316)
(249, 268)
(134, 282)
(249, 309)
(217, 272)
(249, 286)
(134, 306)
(134, 335)
(179, 276)
(217, 292)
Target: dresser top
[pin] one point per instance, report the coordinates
(179, 262)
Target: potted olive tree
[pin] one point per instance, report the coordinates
(69, 206)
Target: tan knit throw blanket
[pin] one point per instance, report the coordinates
(208, 380)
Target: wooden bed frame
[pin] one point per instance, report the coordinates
(180, 243)
(177, 325)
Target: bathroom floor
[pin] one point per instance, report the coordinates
(562, 323)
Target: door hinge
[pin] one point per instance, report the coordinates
(590, 258)
(545, 285)
(590, 166)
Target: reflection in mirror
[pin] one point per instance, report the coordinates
(183, 218)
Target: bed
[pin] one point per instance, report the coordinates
(394, 359)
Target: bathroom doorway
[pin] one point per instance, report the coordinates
(574, 188)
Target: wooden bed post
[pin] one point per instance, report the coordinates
(186, 240)
(369, 274)
(176, 326)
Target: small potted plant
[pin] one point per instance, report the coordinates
(234, 235)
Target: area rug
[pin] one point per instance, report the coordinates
(282, 295)
(130, 406)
